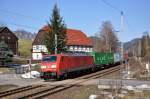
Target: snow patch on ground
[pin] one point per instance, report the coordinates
(92, 96)
(32, 74)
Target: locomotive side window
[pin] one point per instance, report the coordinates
(49, 59)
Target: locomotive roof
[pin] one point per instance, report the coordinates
(65, 55)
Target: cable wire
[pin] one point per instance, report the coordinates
(110, 5)
(20, 14)
(21, 25)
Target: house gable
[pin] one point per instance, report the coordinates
(9, 38)
(4, 31)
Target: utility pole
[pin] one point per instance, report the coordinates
(29, 64)
(55, 43)
(121, 25)
(121, 30)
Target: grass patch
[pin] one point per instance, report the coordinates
(25, 47)
(36, 68)
(86, 93)
(7, 70)
(138, 95)
(80, 92)
(6, 87)
(147, 93)
(19, 61)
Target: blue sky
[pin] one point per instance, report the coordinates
(85, 15)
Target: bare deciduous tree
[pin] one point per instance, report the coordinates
(145, 44)
(108, 37)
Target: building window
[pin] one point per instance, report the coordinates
(91, 49)
(84, 49)
(34, 47)
(75, 48)
(88, 49)
(71, 48)
(37, 47)
(8, 37)
(80, 49)
(2, 37)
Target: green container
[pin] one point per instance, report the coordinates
(102, 58)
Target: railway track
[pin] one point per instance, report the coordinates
(49, 91)
(18, 90)
(41, 91)
(100, 73)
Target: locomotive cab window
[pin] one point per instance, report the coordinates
(49, 59)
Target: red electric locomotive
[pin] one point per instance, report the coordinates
(59, 65)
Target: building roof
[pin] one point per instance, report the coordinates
(74, 37)
(2, 28)
(6, 28)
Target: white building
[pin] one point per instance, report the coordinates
(77, 41)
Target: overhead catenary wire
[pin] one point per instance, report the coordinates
(128, 25)
(25, 26)
(3, 24)
(118, 10)
(35, 19)
(125, 19)
(19, 25)
(112, 6)
(21, 15)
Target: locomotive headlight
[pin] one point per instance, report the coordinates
(43, 67)
(53, 66)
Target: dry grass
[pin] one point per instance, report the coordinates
(6, 87)
(25, 47)
(6, 70)
(36, 68)
(138, 95)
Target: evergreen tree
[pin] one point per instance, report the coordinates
(56, 28)
(3, 45)
(5, 53)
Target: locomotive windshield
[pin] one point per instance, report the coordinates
(49, 59)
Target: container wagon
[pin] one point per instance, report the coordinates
(117, 58)
(102, 59)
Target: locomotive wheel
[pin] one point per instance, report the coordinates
(48, 76)
(93, 69)
(66, 75)
(46, 79)
(59, 78)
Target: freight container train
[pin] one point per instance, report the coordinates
(59, 66)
